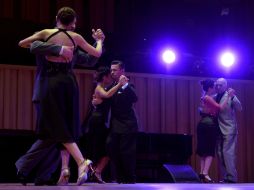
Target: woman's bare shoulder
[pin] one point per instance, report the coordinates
(46, 32)
(75, 36)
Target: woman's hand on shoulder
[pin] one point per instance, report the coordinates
(41, 35)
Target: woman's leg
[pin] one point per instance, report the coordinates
(73, 149)
(208, 162)
(65, 159)
(202, 164)
(83, 165)
(65, 171)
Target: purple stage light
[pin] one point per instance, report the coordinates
(168, 56)
(227, 59)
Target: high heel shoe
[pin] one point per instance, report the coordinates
(64, 177)
(207, 179)
(83, 169)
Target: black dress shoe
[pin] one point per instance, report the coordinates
(129, 182)
(22, 178)
(201, 177)
(227, 181)
(97, 177)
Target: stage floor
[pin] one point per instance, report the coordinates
(137, 186)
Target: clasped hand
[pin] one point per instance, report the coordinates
(67, 51)
(231, 92)
(98, 34)
(123, 80)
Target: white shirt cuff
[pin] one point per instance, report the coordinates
(61, 51)
(125, 86)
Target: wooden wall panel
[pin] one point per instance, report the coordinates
(167, 104)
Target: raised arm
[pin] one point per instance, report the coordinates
(100, 92)
(29, 40)
(213, 103)
(82, 43)
(84, 59)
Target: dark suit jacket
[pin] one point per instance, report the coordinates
(44, 48)
(123, 117)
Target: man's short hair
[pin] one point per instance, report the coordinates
(119, 63)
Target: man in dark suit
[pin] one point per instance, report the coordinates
(121, 142)
(44, 156)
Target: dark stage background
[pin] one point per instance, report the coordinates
(136, 30)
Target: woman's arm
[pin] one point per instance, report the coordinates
(106, 94)
(82, 43)
(36, 36)
(213, 103)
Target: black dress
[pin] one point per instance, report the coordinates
(98, 131)
(59, 102)
(207, 132)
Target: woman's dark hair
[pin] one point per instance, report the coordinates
(66, 15)
(101, 72)
(208, 83)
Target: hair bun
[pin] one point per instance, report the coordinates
(101, 72)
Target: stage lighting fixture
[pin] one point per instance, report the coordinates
(168, 56)
(227, 59)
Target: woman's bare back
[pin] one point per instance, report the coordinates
(59, 37)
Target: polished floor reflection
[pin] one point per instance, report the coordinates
(138, 186)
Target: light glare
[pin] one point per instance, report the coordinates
(227, 59)
(168, 56)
